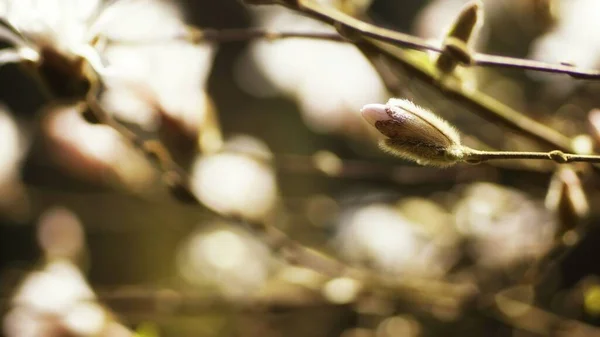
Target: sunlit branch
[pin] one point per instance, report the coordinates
(232, 35)
(486, 106)
(399, 174)
(556, 156)
(489, 108)
(348, 24)
(360, 28)
(196, 35)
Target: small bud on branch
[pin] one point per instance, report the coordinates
(418, 135)
(468, 23)
(415, 133)
(460, 37)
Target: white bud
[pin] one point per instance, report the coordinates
(414, 133)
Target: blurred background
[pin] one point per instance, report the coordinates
(92, 242)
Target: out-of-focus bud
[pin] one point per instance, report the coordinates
(594, 124)
(342, 290)
(236, 182)
(328, 163)
(379, 236)
(591, 296)
(404, 325)
(226, 257)
(460, 37)
(503, 226)
(50, 292)
(13, 200)
(60, 234)
(566, 198)
(314, 73)
(431, 219)
(57, 301)
(93, 152)
(582, 144)
(10, 145)
(414, 133)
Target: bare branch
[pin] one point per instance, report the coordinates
(196, 35)
(350, 25)
(494, 61)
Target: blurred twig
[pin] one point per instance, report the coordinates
(536, 320)
(343, 21)
(364, 29)
(196, 35)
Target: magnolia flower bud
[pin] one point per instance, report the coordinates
(414, 133)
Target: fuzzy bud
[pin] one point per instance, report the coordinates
(468, 23)
(566, 198)
(460, 37)
(414, 133)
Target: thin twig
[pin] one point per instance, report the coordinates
(556, 156)
(195, 35)
(495, 61)
(395, 38)
(364, 29)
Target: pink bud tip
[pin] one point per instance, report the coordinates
(375, 113)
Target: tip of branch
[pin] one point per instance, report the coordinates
(460, 36)
(468, 22)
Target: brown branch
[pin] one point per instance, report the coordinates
(369, 41)
(495, 61)
(195, 35)
(364, 29)
(488, 107)
(380, 34)
(342, 21)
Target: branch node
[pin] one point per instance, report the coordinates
(454, 52)
(348, 32)
(558, 156)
